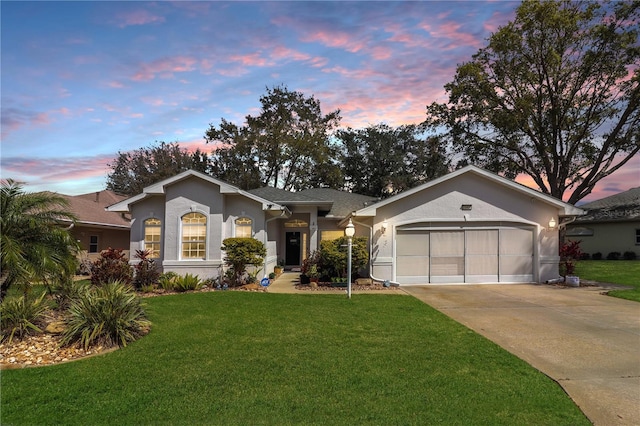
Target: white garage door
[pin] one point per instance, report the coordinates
(464, 256)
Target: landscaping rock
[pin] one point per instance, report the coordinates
(55, 327)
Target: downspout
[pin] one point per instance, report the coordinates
(371, 252)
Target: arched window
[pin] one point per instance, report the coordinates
(244, 227)
(194, 236)
(152, 236)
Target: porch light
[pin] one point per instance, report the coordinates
(384, 226)
(552, 223)
(349, 231)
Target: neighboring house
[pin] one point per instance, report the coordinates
(469, 226)
(612, 224)
(97, 229)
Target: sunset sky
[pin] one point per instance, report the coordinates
(84, 80)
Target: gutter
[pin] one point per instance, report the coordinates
(370, 252)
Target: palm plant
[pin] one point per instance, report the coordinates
(33, 244)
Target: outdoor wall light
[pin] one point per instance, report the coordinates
(552, 223)
(384, 226)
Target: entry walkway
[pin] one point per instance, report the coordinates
(588, 342)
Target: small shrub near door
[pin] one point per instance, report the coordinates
(240, 253)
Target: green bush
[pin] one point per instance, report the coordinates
(333, 255)
(167, 280)
(112, 265)
(19, 316)
(240, 252)
(187, 282)
(66, 290)
(109, 315)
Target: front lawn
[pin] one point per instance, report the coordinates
(257, 358)
(625, 272)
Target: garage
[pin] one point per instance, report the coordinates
(487, 254)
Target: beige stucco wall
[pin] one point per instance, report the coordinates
(440, 205)
(107, 237)
(608, 237)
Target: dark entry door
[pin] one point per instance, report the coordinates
(292, 249)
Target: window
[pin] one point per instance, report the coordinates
(330, 235)
(638, 237)
(152, 232)
(244, 227)
(579, 231)
(93, 244)
(194, 236)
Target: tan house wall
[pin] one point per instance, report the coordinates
(607, 237)
(114, 238)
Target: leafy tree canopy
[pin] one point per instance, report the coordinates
(381, 160)
(132, 171)
(555, 95)
(286, 146)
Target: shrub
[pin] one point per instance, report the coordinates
(585, 256)
(569, 253)
(146, 273)
(272, 276)
(614, 255)
(187, 282)
(19, 316)
(167, 280)
(64, 291)
(629, 255)
(334, 255)
(112, 265)
(596, 256)
(240, 252)
(109, 315)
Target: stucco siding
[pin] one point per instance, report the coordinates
(486, 204)
(607, 237)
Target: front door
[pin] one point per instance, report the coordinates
(292, 249)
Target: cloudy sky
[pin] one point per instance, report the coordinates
(82, 81)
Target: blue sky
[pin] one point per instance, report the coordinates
(84, 80)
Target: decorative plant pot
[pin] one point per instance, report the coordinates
(572, 281)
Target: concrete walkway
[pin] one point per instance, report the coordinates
(588, 342)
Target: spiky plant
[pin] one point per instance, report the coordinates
(109, 315)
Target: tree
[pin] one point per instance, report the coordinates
(33, 244)
(554, 95)
(287, 146)
(381, 160)
(135, 170)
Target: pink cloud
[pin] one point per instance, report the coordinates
(51, 171)
(450, 36)
(251, 59)
(138, 17)
(165, 68)
(336, 39)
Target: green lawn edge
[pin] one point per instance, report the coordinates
(260, 358)
(622, 272)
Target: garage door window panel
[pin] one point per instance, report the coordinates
(412, 253)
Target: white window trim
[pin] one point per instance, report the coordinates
(206, 236)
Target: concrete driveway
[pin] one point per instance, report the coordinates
(588, 342)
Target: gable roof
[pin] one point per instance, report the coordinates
(622, 206)
(344, 203)
(565, 209)
(338, 204)
(90, 209)
(160, 188)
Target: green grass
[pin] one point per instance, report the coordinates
(235, 358)
(625, 272)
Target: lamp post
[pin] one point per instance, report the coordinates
(349, 231)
